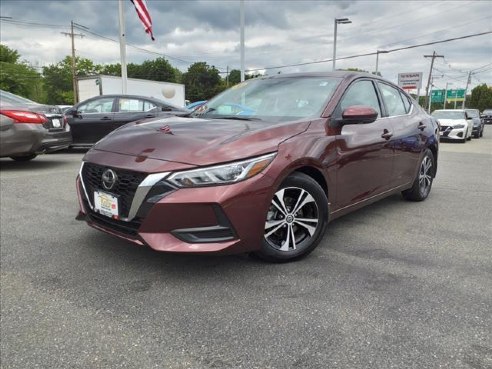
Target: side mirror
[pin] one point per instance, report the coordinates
(359, 114)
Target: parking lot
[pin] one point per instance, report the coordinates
(394, 285)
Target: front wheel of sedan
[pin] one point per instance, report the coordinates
(423, 182)
(295, 221)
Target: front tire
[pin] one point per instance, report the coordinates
(295, 221)
(423, 181)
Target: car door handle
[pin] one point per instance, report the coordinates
(421, 126)
(386, 134)
(106, 118)
(150, 116)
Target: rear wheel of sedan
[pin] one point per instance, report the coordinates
(295, 221)
(23, 157)
(423, 182)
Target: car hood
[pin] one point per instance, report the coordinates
(452, 122)
(198, 141)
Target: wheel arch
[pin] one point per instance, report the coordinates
(315, 174)
(433, 148)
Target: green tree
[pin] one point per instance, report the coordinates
(8, 55)
(201, 82)
(234, 77)
(110, 69)
(481, 98)
(18, 77)
(58, 78)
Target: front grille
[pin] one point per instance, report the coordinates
(125, 186)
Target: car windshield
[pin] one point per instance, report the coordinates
(448, 114)
(14, 99)
(487, 111)
(272, 99)
(473, 113)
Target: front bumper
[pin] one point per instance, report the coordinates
(221, 219)
(451, 133)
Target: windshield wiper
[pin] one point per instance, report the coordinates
(236, 117)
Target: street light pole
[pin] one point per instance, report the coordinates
(337, 21)
(377, 58)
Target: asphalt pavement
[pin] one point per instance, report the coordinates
(394, 285)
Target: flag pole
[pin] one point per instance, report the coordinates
(122, 46)
(241, 16)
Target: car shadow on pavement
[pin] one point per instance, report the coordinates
(10, 165)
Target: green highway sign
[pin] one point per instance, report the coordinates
(455, 95)
(437, 96)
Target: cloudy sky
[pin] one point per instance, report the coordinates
(279, 35)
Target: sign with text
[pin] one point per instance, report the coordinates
(455, 95)
(410, 81)
(437, 96)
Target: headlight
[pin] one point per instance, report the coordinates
(458, 126)
(221, 174)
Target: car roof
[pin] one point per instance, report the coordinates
(155, 99)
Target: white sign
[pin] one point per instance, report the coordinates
(410, 81)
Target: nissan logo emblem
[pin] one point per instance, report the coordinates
(109, 179)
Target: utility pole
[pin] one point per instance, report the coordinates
(433, 56)
(468, 81)
(74, 69)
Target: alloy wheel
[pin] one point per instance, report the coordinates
(425, 175)
(292, 219)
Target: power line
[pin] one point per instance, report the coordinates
(373, 53)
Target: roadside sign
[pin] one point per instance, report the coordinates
(455, 95)
(410, 81)
(437, 96)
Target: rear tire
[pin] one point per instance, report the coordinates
(23, 157)
(423, 181)
(295, 221)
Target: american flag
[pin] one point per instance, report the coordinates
(143, 14)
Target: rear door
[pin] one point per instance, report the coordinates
(130, 109)
(408, 139)
(92, 120)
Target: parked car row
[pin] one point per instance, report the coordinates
(28, 129)
(459, 124)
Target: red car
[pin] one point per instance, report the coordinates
(262, 168)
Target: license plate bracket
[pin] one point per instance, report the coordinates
(106, 204)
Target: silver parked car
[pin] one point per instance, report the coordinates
(28, 128)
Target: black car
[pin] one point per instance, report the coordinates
(92, 119)
(487, 116)
(474, 114)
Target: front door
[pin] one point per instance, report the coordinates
(92, 120)
(365, 157)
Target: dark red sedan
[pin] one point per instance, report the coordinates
(262, 167)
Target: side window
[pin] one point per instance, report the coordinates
(103, 105)
(392, 100)
(361, 93)
(135, 105)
